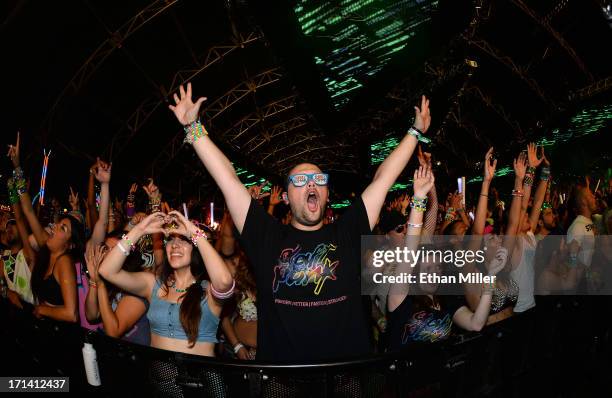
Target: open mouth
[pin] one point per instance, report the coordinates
(312, 200)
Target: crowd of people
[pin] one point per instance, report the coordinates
(287, 287)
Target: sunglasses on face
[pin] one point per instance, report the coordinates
(299, 180)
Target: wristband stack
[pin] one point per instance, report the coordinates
(450, 214)
(529, 176)
(197, 235)
(194, 131)
(517, 192)
(125, 240)
(220, 295)
(418, 204)
(155, 204)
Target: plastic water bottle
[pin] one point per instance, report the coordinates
(91, 365)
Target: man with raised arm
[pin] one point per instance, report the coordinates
(307, 273)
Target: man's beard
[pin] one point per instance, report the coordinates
(302, 217)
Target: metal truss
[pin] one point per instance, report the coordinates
(560, 6)
(592, 89)
(240, 128)
(509, 63)
(170, 151)
(279, 153)
(214, 55)
(113, 42)
(497, 108)
(330, 156)
(562, 42)
(268, 135)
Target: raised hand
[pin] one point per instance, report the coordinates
(456, 201)
(152, 224)
(133, 189)
(423, 182)
(489, 167)
(532, 155)
(184, 226)
(520, 166)
(498, 262)
(152, 190)
(275, 195)
(185, 110)
(13, 153)
(424, 157)
(422, 116)
(93, 258)
(73, 199)
(102, 171)
(255, 191)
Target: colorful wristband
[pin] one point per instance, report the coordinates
(194, 131)
(197, 235)
(418, 204)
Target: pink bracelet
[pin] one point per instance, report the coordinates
(197, 235)
(224, 295)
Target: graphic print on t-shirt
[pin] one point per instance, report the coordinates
(427, 326)
(296, 267)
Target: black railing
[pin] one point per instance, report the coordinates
(502, 358)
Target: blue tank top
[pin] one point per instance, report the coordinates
(164, 319)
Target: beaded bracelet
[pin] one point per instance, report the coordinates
(127, 240)
(531, 170)
(197, 235)
(411, 225)
(223, 295)
(545, 205)
(125, 251)
(528, 181)
(450, 214)
(413, 131)
(516, 192)
(194, 131)
(155, 205)
(418, 204)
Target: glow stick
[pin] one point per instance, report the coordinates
(43, 177)
(185, 211)
(597, 187)
(212, 213)
(35, 197)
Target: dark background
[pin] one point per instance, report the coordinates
(93, 78)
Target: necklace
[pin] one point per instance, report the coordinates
(180, 290)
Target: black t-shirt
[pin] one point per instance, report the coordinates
(408, 324)
(309, 304)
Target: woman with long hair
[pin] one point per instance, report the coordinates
(419, 313)
(184, 307)
(53, 275)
